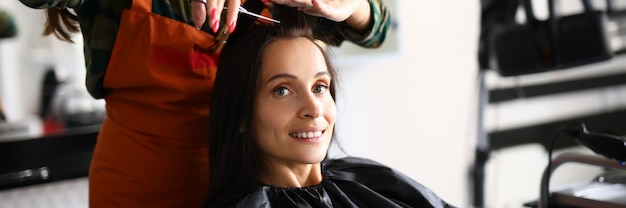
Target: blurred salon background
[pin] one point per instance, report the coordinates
(423, 103)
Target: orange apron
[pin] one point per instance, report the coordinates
(152, 148)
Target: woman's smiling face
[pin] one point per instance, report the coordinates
(294, 111)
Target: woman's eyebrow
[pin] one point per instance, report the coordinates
(277, 76)
(291, 76)
(322, 73)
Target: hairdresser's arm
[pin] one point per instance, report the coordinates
(355, 13)
(44, 4)
(375, 35)
(363, 22)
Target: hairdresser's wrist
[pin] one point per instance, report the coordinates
(361, 19)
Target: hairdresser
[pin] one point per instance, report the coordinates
(154, 63)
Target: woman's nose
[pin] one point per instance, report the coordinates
(311, 106)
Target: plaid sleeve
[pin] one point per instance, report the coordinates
(44, 4)
(335, 33)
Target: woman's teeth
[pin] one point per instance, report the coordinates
(306, 135)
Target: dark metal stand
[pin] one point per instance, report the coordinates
(577, 158)
(607, 122)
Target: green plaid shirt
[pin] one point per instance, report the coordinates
(99, 20)
(7, 25)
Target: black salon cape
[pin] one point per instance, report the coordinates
(348, 182)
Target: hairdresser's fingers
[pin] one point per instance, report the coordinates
(198, 13)
(214, 11)
(335, 10)
(293, 3)
(231, 14)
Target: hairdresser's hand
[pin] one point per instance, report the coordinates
(214, 8)
(356, 13)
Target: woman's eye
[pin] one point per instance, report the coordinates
(281, 91)
(320, 88)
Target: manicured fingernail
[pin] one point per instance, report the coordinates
(213, 12)
(216, 22)
(231, 27)
(216, 25)
(265, 1)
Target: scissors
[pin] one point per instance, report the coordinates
(245, 11)
(223, 34)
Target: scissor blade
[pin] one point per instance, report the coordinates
(245, 11)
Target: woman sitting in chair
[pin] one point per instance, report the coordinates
(272, 123)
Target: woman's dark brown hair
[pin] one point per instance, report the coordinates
(234, 164)
(61, 23)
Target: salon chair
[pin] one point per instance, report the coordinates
(607, 190)
(598, 192)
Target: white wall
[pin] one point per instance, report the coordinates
(415, 109)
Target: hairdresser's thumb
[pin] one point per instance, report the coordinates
(198, 13)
